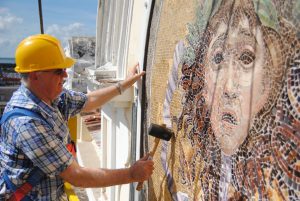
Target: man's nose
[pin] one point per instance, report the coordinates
(65, 74)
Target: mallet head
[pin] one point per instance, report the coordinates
(160, 131)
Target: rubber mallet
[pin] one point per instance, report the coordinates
(160, 132)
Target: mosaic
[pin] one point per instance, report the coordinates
(237, 74)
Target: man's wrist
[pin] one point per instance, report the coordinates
(119, 87)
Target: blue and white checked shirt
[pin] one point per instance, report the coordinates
(26, 142)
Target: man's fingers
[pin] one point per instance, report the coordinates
(133, 70)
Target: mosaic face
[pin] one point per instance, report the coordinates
(235, 58)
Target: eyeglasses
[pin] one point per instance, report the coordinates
(57, 71)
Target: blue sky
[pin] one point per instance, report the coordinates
(61, 18)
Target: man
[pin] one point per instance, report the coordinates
(30, 143)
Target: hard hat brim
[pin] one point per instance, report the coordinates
(68, 63)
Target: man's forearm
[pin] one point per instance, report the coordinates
(99, 97)
(104, 177)
(92, 177)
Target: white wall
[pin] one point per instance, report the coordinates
(120, 40)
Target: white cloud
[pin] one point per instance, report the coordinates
(7, 20)
(14, 28)
(64, 33)
(9, 25)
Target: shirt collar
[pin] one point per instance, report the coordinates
(36, 102)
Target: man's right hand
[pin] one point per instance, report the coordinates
(142, 169)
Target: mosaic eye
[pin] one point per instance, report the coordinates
(218, 58)
(247, 57)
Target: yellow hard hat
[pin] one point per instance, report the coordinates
(41, 52)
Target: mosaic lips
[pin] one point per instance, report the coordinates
(229, 119)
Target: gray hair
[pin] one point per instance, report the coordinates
(24, 77)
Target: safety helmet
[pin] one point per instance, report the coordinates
(41, 52)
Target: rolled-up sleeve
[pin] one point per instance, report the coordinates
(71, 102)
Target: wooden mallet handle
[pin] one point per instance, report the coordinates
(151, 154)
(160, 132)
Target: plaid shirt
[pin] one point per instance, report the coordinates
(26, 142)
